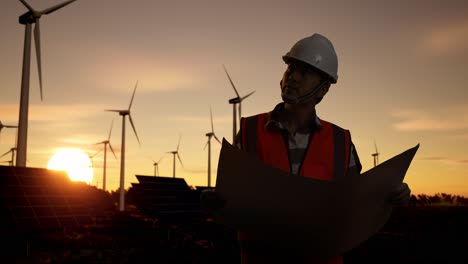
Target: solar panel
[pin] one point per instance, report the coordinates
(165, 197)
(39, 199)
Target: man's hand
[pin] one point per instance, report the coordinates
(210, 200)
(400, 196)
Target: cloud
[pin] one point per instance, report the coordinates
(226, 119)
(444, 160)
(150, 72)
(50, 112)
(449, 119)
(448, 40)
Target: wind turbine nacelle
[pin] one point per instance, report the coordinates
(28, 18)
(234, 100)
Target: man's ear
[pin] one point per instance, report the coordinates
(325, 89)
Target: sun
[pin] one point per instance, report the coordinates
(75, 162)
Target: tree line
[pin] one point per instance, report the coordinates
(440, 199)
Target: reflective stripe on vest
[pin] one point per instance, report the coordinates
(327, 154)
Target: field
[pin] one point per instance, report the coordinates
(413, 234)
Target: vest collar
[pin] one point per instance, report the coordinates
(272, 121)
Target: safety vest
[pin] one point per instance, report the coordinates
(326, 158)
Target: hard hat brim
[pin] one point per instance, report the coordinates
(287, 58)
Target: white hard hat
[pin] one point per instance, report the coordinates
(318, 52)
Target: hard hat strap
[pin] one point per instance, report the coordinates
(298, 99)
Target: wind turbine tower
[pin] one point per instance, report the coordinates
(105, 143)
(235, 101)
(208, 143)
(376, 155)
(174, 154)
(27, 19)
(124, 113)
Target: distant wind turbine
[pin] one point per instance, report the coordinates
(236, 100)
(175, 153)
(6, 126)
(12, 151)
(208, 143)
(124, 113)
(91, 157)
(27, 19)
(155, 164)
(375, 155)
(105, 143)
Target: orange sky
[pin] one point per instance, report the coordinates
(402, 79)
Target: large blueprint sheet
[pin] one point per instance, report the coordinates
(326, 218)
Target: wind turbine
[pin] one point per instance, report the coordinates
(12, 151)
(175, 153)
(6, 126)
(124, 113)
(27, 19)
(234, 101)
(375, 155)
(91, 157)
(155, 164)
(106, 142)
(208, 143)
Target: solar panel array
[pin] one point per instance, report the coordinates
(39, 199)
(165, 197)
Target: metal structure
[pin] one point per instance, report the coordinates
(124, 113)
(27, 19)
(208, 143)
(174, 154)
(235, 101)
(105, 143)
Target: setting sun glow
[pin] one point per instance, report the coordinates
(75, 162)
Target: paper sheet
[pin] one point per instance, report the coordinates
(326, 218)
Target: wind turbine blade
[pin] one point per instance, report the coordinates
(110, 131)
(6, 153)
(159, 160)
(110, 146)
(217, 139)
(11, 126)
(240, 110)
(37, 41)
(97, 152)
(178, 157)
(113, 110)
(230, 80)
(211, 117)
(206, 144)
(247, 96)
(133, 95)
(178, 143)
(58, 6)
(27, 5)
(134, 130)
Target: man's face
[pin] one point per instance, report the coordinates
(299, 79)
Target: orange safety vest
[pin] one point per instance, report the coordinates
(326, 158)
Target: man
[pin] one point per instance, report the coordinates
(293, 138)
